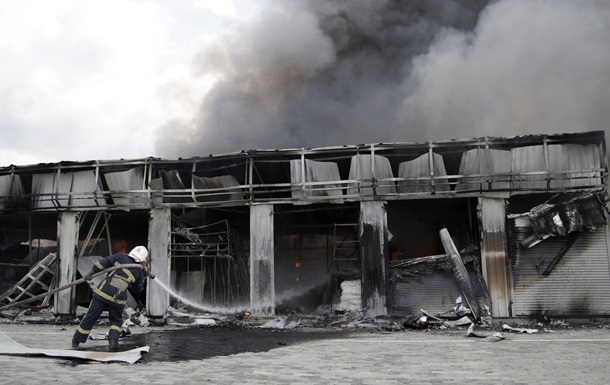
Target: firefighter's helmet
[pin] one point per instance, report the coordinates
(139, 254)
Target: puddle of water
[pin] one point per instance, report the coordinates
(207, 342)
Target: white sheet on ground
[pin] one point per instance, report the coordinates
(8, 346)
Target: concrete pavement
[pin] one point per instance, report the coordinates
(578, 355)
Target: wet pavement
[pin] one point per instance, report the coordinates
(245, 355)
(205, 342)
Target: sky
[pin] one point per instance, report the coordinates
(118, 79)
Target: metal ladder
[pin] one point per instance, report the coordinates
(345, 245)
(40, 278)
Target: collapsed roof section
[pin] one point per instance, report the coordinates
(381, 171)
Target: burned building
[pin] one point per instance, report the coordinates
(333, 228)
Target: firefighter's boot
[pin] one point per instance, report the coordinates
(113, 345)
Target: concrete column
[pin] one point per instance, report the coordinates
(262, 272)
(159, 240)
(68, 224)
(374, 254)
(494, 254)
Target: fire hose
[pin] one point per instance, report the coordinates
(74, 283)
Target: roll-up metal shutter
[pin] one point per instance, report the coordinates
(435, 291)
(578, 286)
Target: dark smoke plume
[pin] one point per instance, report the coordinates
(315, 73)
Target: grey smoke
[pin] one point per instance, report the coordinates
(315, 73)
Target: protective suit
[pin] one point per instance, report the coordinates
(111, 294)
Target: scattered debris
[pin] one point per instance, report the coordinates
(519, 330)
(487, 336)
(176, 317)
(191, 321)
(431, 262)
(290, 322)
(459, 322)
(459, 309)
(98, 336)
(134, 318)
(559, 323)
(417, 322)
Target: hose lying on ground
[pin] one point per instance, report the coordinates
(74, 283)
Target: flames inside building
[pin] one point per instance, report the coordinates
(509, 227)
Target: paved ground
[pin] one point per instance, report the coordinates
(578, 355)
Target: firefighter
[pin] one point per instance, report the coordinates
(111, 294)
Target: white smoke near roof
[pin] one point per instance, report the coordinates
(529, 67)
(324, 72)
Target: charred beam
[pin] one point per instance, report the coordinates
(569, 242)
(461, 275)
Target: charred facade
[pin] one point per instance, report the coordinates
(352, 227)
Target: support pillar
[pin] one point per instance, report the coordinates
(68, 224)
(262, 272)
(374, 254)
(159, 240)
(494, 254)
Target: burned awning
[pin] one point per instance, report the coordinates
(584, 213)
(566, 220)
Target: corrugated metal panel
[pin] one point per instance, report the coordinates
(501, 168)
(218, 182)
(361, 169)
(420, 168)
(120, 182)
(315, 172)
(557, 165)
(569, 165)
(172, 181)
(11, 191)
(495, 163)
(156, 186)
(83, 185)
(46, 194)
(584, 157)
(66, 189)
(529, 159)
(434, 292)
(578, 286)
